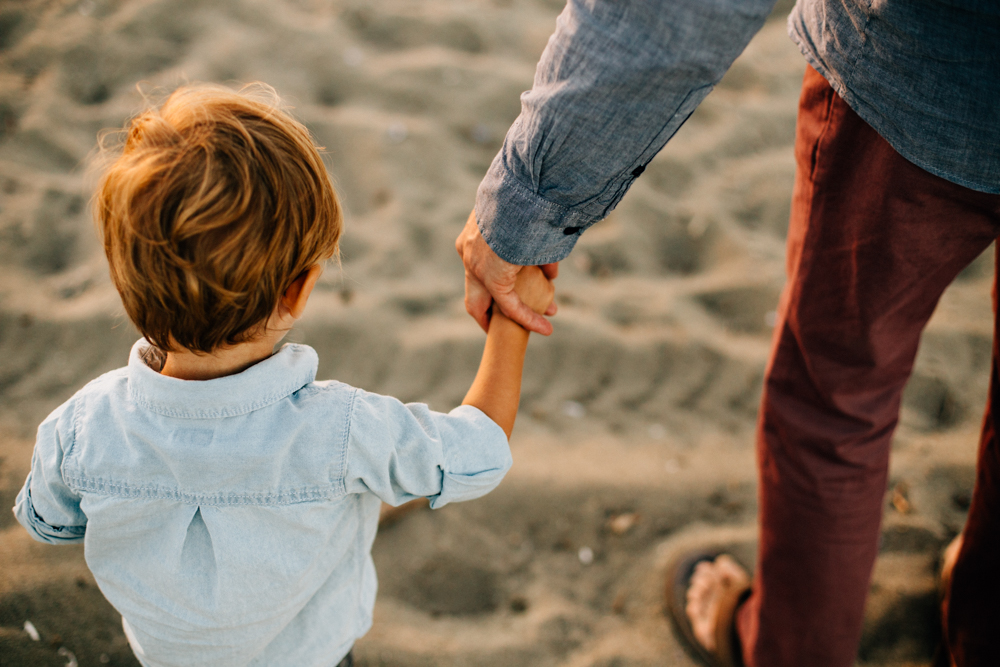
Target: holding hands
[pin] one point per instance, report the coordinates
(508, 301)
(490, 280)
(534, 289)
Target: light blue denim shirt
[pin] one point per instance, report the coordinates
(619, 77)
(230, 521)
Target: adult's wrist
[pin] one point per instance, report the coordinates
(522, 227)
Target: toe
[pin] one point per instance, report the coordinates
(702, 602)
(731, 572)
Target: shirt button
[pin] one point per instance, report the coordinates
(569, 231)
(638, 170)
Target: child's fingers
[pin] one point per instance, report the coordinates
(530, 272)
(514, 308)
(535, 290)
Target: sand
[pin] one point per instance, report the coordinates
(635, 435)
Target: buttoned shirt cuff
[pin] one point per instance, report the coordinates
(523, 227)
(36, 526)
(476, 461)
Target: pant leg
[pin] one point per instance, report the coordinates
(873, 241)
(972, 620)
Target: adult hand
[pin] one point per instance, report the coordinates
(489, 279)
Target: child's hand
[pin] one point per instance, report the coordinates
(497, 387)
(534, 288)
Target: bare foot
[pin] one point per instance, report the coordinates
(948, 563)
(712, 582)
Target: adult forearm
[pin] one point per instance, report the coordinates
(497, 387)
(615, 82)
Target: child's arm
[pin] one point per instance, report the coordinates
(46, 506)
(401, 452)
(497, 387)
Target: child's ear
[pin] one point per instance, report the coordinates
(297, 295)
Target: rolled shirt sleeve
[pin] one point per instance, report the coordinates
(46, 506)
(616, 81)
(400, 452)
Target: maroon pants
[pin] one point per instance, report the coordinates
(873, 242)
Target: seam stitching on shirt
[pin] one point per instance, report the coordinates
(346, 443)
(244, 409)
(623, 179)
(618, 186)
(290, 497)
(66, 450)
(563, 211)
(359, 560)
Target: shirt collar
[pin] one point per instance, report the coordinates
(266, 382)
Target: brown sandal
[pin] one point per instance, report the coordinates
(727, 651)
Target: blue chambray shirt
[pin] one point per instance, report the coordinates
(230, 521)
(619, 77)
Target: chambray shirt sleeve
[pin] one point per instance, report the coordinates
(403, 451)
(616, 81)
(46, 506)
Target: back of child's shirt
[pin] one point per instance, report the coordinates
(231, 521)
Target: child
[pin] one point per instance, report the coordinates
(226, 500)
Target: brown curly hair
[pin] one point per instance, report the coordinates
(218, 200)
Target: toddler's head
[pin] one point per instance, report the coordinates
(217, 203)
